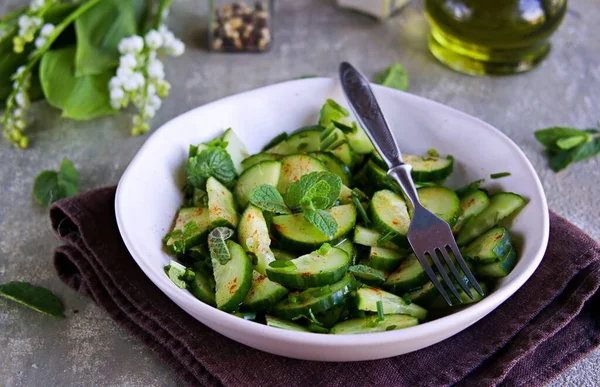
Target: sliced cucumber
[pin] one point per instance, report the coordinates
(198, 198)
(294, 232)
(390, 214)
(345, 195)
(409, 275)
(367, 299)
(385, 259)
(373, 279)
(343, 151)
(293, 167)
(332, 316)
(349, 248)
(281, 255)
(203, 286)
(426, 295)
(275, 141)
(257, 158)
(319, 268)
(222, 209)
(305, 140)
(501, 206)
(265, 172)
(332, 112)
(430, 297)
(442, 201)
(284, 324)
(253, 235)
(314, 300)
(471, 205)
(197, 215)
(498, 269)
(367, 237)
(236, 149)
(233, 279)
(377, 175)
(490, 247)
(335, 165)
(427, 168)
(263, 293)
(359, 141)
(370, 325)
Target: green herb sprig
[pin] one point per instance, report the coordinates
(50, 186)
(566, 146)
(34, 297)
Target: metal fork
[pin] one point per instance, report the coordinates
(428, 235)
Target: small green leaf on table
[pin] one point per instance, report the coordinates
(395, 76)
(569, 145)
(34, 297)
(50, 186)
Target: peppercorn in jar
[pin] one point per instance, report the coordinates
(240, 27)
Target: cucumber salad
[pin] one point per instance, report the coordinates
(310, 234)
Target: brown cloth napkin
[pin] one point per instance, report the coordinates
(550, 323)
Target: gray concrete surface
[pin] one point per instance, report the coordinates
(87, 348)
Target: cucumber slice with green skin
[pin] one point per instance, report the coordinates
(257, 158)
(385, 259)
(222, 209)
(305, 140)
(471, 205)
(367, 299)
(360, 142)
(236, 149)
(314, 300)
(501, 206)
(233, 279)
(199, 216)
(428, 168)
(332, 316)
(203, 286)
(322, 267)
(265, 172)
(284, 324)
(263, 293)
(295, 233)
(345, 195)
(490, 247)
(343, 151)
(198, 198)
(498, 269)
(442, 201)
(409, 275)
(367, 237)
(378, 176)
(293, 167)
(275, 141)
(371, 280)
(349, 248)
(430, 297)
(370, 325)
(281, 255)
(253, 235)
(335, 165)
(390, 214)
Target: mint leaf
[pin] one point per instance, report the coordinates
(50, 186)
(366, 273)
(179, 274)
(323, 221)
(394, 76)
(560, 160)
(267, 198)
(322, 188)
(572, 142)
(217, 246)
(34, 297)
(214, 161)
(550, 136)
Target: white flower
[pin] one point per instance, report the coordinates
(117, 94)
(133, 44)
(139, 79)
(21, 99)
(124, 73)
(35, 21)
(130, 84)
(19, 71)
(20, 124)
(18, 112)
(47, 30)
(149, 112)
(116, 104)
(177, 48)
(154, 39)
(37, 5)
(156, 69)
(151, 90)
(40, 41)
(24, 22)
(115, 82)
(154, 102)
(128, 61)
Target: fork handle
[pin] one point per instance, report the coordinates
(401, 173)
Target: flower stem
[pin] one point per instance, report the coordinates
(37, 55)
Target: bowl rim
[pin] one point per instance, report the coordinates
(464, 318)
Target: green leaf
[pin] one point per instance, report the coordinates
(561, 159)
(571, 142)
(550, 136)
(323, 221)
(322, 188)
(367, 273)
(217, 246)
(267, 198)
(395, 76)
(100, 30)
(213, 161)
(179, 274)
(50, 186)
(34, 297)
(79, 98)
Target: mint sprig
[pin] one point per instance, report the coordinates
(322, 220)
(50, 186)
(218, 246)
(394, 76)
(320, 188)
(566, 146)
(213, 161)
(34, 297)
(267, 198)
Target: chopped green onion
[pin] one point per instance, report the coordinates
(380, 314)
(433, 153)
(385, 238)
(361, 210)
(390, 327)
(499, 175)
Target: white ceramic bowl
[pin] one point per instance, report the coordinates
(149, 195)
